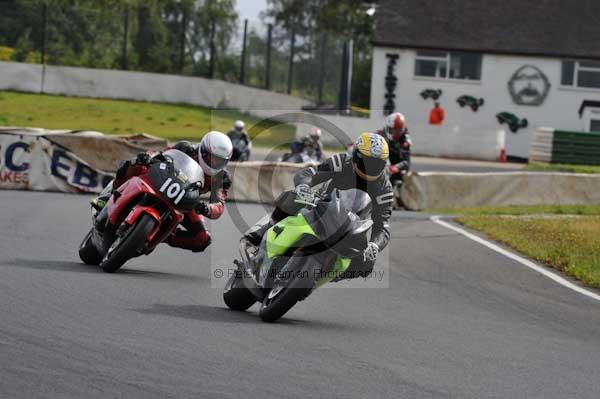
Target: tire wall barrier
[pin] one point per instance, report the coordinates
(65, 161)
(559, 146)
(451, 190)
(72, 162)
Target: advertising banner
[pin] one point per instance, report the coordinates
(35, 162)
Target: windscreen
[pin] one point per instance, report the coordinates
(354, 200)
(186, 165)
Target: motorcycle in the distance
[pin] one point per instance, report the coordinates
(143, 212)
(241, 150)
(298, 154)
(300, 253)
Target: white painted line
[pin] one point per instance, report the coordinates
(526, 262)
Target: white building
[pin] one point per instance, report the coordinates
(525, 63)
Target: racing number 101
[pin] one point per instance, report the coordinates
(173, 190)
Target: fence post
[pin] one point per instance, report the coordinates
(184, 21)
(243, 61)
(44, 31)
(268, 66)
(322, 69)
(211, 69)
(346, 80)
(291, 63)
(124, 64)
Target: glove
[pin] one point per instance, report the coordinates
(143, 158)
(393, 169)
(304, 193)
(371, 252)
(202, 208)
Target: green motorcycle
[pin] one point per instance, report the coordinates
(300, 253)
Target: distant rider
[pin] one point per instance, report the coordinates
(363, 170)
(312, 144)
(239, 133)
(398, 138)
(212, 154)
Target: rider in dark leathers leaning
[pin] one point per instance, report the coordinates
(398, 138)
(364, 170)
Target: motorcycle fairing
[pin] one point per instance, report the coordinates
(340, 266)
(282, 236)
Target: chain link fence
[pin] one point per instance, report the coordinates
(178, 40)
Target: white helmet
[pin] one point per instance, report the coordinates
(315, 133)
(214, 152)
(239, 125)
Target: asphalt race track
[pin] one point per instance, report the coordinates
(457, 321)
(420, 164)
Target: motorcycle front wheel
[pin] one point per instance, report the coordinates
(285, 294)
(128, 244)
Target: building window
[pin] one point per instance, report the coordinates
(595, 125)
(448, 65)
(581, 74)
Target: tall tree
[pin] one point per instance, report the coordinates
(328, 22)
(215, 23)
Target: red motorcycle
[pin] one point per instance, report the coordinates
(143, 211)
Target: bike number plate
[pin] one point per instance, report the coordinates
(172, 190)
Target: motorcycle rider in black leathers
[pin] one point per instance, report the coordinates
(312, 144)
(363, 170)
(396, 134)
(239, 133)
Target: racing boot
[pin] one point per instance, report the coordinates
(255, 233)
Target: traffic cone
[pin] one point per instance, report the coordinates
(502, 157)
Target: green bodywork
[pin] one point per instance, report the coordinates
(340, 267)
(291, 230)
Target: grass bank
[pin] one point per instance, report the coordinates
(565, 237)
(171, 121)
(558, 167)
(571, 245)
(521, 210)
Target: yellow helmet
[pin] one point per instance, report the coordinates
(369, 156)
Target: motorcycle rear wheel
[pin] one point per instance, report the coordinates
(129, 245)
(236, 296)
(88, 252)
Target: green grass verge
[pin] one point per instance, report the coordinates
(571, 245)
(521, 210)
(173, 122)
(557, 167)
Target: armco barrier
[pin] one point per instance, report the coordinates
(448, 190)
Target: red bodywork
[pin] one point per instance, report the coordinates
(126, 209)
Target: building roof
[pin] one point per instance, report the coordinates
(556, 28)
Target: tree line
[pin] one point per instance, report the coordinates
(184, 36)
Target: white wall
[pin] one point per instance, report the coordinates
(101, 83)
(475, 134)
